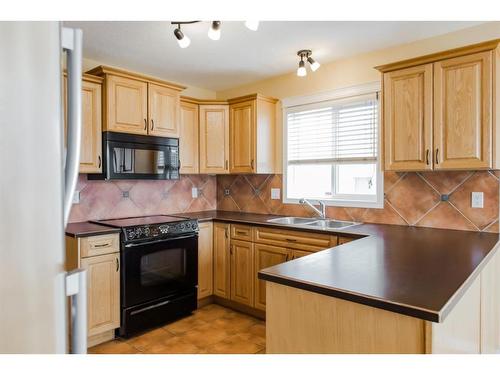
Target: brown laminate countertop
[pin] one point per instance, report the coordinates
(420, 272)
(86, 229)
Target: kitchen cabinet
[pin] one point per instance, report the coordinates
(408, 118)
(103, 292)
(91, 145)
(252, 129)
(163, 110)
(439, 110)
(100, 256)
(242, 277)
(221, 260)
(462, 108)
(188, 137)
(205, 260)
(266, 256)
(299, 253)
(138, 104)
(214, 138)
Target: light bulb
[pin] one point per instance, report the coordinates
(252, 25)
(301, 71)
(214, 31)
(182, 39)
(314, 64)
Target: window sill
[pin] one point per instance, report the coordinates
(340, 203)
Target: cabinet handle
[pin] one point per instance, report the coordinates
(251, 163)
(225, 232)
(287, 257)
(241, 232)
(437, 155)
(145, 124)
(117, 265)
(291, 239)
(231, 249)
(152, 124)
(226, 165)
(427, 157)
(102, 244)
(99, 160)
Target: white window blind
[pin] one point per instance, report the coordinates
(338, 131)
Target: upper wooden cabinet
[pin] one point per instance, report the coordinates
(462, 112)
(252, 134)
(214, 138)
(408, 118)
(440, 111)
(139, 104)
(163, 111)
(91, 146)
(189, 137)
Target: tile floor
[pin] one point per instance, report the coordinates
(213, 329)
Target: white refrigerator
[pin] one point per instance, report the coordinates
(38, 173)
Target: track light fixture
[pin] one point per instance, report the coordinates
(305, 54)
(182, 39)
(214, 31)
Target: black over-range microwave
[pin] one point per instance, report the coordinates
(128, 156)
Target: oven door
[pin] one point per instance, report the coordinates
(158, 268)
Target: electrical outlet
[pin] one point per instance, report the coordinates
(76, 197)
(275, 193)
(477, 200)
(194, 192)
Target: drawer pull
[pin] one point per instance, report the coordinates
(102, 244)
(291, 239)
(117, 265)
(241, 232)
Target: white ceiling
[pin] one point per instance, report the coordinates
(241, 56)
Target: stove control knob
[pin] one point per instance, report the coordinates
(146, 231)
(131, 234)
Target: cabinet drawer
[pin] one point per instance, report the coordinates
(99, 245)
(292, 239)
(241, 232)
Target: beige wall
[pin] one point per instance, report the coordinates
(196, 92)
(355, 70)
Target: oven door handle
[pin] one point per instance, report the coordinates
(158, 241)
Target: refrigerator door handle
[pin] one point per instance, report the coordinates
(76, 288)
(72, 45)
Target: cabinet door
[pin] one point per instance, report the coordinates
(163, 111)
(91, 146)
(214, 139)
(188, 140)
(242, 133)
(126, 108)
(299, 253)
(407, 119)
(462, 112)
(266, 256)
(103, 292)
(242, 276)
(205, 261)
(221, 260)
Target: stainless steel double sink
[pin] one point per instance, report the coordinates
(312, 222)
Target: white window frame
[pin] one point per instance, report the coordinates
(347, 200)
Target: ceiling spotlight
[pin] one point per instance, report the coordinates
(306, 54)
(182, 39)
(314, 64)
(252, 25)
(214, 31)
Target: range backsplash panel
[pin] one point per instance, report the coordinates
(126, 198)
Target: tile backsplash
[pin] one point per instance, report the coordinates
(427, 199)
(125, 198)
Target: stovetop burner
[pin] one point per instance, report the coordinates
(151, 227)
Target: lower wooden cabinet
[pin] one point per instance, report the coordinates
(299, 253)
(221, 260)
(242, 276)
(103, 292)
(266, 256)
(205, 260)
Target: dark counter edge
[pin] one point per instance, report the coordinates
(87, 229)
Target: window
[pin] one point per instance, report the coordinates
(331, 152)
